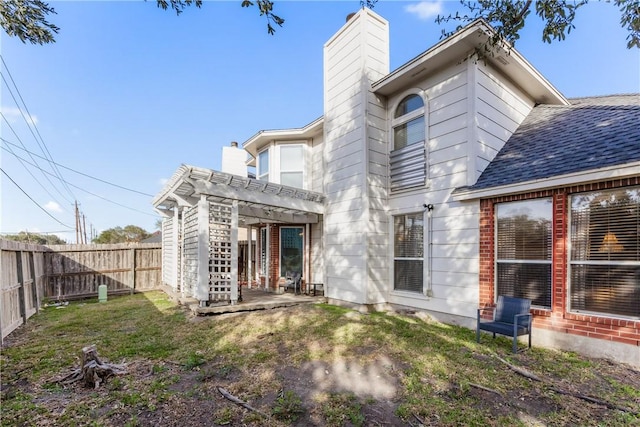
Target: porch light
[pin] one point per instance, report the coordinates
(610, 243)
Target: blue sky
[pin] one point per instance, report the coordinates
(129, 92)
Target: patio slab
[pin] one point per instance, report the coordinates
(253, 299)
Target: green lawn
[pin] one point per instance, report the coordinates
(308, 365)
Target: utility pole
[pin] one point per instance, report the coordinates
(84, 228)
(77, 224)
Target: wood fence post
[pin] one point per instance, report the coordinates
(34, 285)
(21, 296)
(133, 270)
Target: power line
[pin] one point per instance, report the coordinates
(34, 160)
(43, 146)
(82, 189)
(78, 172)
(111, 201)
(34, 177)
(36, 203)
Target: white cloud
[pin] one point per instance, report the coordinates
(425, 9)
(163, 181)
(12, 114)
(53, 207)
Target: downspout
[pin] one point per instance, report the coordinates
(429, 290)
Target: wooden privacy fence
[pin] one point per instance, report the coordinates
(31, 274)
(76, 271)
(22, 275)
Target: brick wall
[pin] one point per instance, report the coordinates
(558, 318)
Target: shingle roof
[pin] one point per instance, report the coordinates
(555, 140)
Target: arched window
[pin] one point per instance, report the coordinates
(408, 155)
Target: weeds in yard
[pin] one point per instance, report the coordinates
(431, 368)
(342, 408)
(194, 360)
(288, 406)
(223, 416)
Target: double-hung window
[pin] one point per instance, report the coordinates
(524, 249)
(408, 252)
(263, 165)
(605, 252)
(292, 165)
(408, 157)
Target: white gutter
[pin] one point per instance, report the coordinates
(582, 177)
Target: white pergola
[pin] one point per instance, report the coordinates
(203, 209)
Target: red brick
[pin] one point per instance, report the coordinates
(600, 336)
(630, 341)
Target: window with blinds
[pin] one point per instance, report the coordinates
(524, 248)
(605, 252)
(408, 158)
(408, 252)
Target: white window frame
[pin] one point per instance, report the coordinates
(303, 166)
(571, 263)
(395, 122)
(260, 174)
(548, 262)
(425, 253)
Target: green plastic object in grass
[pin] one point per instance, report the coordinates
(102, 293)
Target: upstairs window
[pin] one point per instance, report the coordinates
(291, 165)
(408, 158)
(263, 165)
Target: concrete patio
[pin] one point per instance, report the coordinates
(252, 299)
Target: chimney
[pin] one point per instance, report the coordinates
(234, 160)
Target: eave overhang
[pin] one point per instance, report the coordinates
(458, 48)
(258, 201)
(264, 137)
(583, 177)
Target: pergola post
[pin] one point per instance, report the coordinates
(249, 270)
(175, 225)
(307, 256)
(201, 293)
(267, 267)
(234, 252)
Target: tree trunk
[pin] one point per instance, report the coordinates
(93, 371)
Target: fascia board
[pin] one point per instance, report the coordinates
(252, 144)
(583, 177)
(457, 48)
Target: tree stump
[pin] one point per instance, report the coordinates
(92, 371)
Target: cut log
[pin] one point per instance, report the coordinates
(93, 371)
